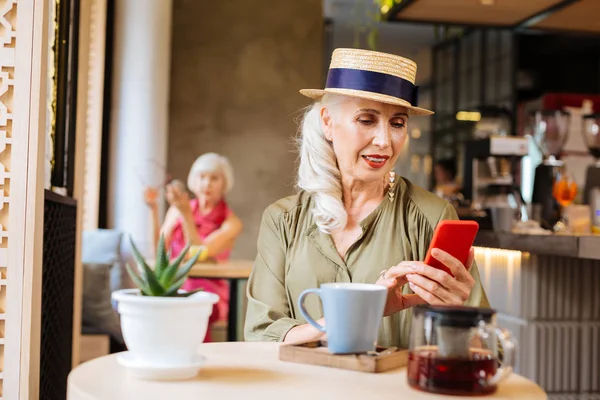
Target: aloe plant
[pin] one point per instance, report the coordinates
(166, 278)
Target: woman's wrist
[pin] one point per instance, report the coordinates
(186, 212)
(305, 333)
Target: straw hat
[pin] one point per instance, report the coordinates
(372, 75)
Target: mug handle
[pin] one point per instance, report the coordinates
(509, 346)
(303, 311)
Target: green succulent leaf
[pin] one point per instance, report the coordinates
(136, 254)
(172, 290)
(167, 277)
(152, 284)
(137, 280)
(162, 261)
(185, 269)
(155, 287)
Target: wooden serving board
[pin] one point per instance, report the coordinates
(316, 353)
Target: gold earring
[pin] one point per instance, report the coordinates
(392, 185)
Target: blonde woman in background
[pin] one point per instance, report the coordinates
(206, 220)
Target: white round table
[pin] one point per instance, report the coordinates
(242, 371)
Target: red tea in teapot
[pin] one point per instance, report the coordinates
(429, 371)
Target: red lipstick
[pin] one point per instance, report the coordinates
(375, 160)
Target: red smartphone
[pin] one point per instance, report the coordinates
(455, 237)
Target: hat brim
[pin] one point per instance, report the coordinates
(318, 93)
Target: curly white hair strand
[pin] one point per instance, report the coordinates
(318, 173)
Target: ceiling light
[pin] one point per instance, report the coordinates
(415, 163)
(487, 2)
(468, 116)
(427, 164)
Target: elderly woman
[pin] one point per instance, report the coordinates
(352, 216)
(205, 220)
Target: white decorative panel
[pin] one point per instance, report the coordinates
(8, 18)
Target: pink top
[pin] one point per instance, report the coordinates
(205, 225)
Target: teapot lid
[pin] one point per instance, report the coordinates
(458, 316)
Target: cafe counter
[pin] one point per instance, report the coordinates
(546, 289)
(581, 247)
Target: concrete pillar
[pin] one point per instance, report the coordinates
(237, 68)
(139, 113)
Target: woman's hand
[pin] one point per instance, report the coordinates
(151, 197)
(429, 284)
(438, 287)
(305, 333)
(178, 199)
(394, 279)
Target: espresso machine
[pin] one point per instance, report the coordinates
(491, 168)
(490, 181)
(591, 136)
(550, 132)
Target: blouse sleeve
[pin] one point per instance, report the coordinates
(268, 313)
(478, 298)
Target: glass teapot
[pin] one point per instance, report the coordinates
(454, 350)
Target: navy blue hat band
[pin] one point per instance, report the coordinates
(375, 82)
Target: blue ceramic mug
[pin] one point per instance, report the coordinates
(353, 314)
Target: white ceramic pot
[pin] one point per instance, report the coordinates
(164, 331)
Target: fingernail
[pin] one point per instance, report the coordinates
(412, 285)
(435, 252)
(413, 267)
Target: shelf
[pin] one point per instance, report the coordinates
(584, 246)
(500, 181)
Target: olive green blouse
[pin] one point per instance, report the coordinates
(293, 255)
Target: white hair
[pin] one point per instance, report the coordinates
(318, 172)
(212, 162)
